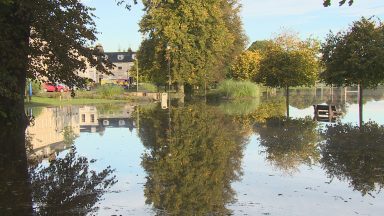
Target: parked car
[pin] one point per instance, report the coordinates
(61, 88)
(48, 87)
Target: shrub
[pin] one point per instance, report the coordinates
(109, 91)
(149, 87)
(231, 89)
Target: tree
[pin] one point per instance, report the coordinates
(50, 39)
(355, 56)
(327, 3)
(194, 37)
(246, 66)
(260, 45)
(289, 61)
(42, 38)
(355, 154)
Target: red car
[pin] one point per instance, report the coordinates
(49, 87)
(61, 88)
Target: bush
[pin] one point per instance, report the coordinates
(149, 87)
(231, 89)
(109, 91)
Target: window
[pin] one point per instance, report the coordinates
(120, 57)
(82, 117)
(92, 118)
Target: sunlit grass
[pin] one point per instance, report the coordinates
(40, 101)
(231, 89)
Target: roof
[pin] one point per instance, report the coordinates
(117, 57)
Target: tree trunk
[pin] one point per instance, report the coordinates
(180, 88)
(15, 191)
(361, 105)
(287, 100)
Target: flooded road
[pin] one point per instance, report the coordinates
(232, 158)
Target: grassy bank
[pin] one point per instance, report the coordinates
(43, 101)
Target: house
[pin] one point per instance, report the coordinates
(122, 62)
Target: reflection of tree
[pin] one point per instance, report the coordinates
(355, 154)
(68, 187)
(289, 143)
(191, 161)
(269, 109)
(304, 98)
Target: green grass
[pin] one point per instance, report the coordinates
(148, 87)
(231, 89)
(109, 91)
(41, 101)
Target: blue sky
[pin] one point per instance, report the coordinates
(262, 19)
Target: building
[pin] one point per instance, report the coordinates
(122, 62)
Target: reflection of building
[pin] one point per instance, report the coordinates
(94, 120)
(47, 130)
(88, 119)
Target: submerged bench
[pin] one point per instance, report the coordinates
(325, 112)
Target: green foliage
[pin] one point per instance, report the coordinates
(148, 87)
(197, 37)
(246, 66)
(267, 110)
(231, 89)
(355, 56)
(289, 142)
(36, 87)
(109, 91)
(289, 61)
(193, 155)
(355, 154)
(327, 3)
(260, 46)
(68, 187)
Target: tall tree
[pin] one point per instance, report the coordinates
(194, 36)
(289, 62)
(355, 56)
(42, 38)
(246, 66)
(260, 45)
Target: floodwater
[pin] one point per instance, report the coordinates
(215, 158)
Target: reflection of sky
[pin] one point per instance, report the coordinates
(264, 190)
(122, 150)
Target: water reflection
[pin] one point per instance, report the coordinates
(194, 154)
(289, 143)
(68, 186)
(48, 132)
(355, 154)
(193, 160)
